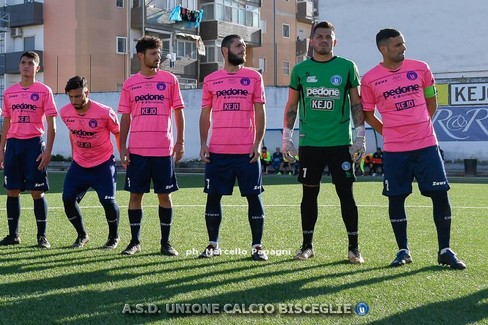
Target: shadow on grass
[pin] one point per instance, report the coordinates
(74, 297)
(470, 309)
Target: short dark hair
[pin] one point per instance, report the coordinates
(31, 55)
(75, 83)
(323, 24)
(227, 41)
(386, 34)
(147, 42)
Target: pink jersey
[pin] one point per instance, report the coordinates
(90, 133)
(399, 97)
(27, 109)
(232, 96)
(150, 101)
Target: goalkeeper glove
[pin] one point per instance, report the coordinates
(287, 147)
(358, 147)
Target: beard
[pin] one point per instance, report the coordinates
(235, 60)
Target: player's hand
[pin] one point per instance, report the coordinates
(178, 151)
(358, 149)
(124, 157)
(2, 158)
(255, 154)
(287, 147)
(204, 153)
(44, 159)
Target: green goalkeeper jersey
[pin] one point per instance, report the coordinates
(324, 105)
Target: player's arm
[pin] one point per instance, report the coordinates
(260, 118)
(358, 147)
(3, 140)
(290, 116)
(372, 120)
(45, 157)
(204, 124)
(179, 148)
(430, 94)
(124, 131)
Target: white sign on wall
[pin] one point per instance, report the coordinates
(468, 94)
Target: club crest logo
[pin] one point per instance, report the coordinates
(336, 80)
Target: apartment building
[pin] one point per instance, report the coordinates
(96, 39)
(285, 29)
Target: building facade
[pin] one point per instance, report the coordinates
(96, 39)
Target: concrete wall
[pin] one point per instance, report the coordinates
(276, 99)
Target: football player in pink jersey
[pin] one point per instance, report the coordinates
(23, 153)
(233, 99)
(90, 124)
(148, 101)
(403, 91)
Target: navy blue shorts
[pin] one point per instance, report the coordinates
(425, 165)
(142, 169)
(223, 170)
(314, 159)
(101, 178)
(21, 168)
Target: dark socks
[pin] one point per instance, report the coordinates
(442, 217)
(165, 219)
(398, 219)
(213, 216)
(13, 215)
(309, 213)
(256, 218)
(112, 213)
(40, 211)
(349, 212)
(72, 210)
(135, 218)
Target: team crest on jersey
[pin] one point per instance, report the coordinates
(311, 79)
(93, 123)
(336, 80)
(35, 97)
(412, 75)
(346, 166)
(161, 86)
(245, 81)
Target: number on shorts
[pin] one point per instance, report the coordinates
(304, 172)
(208, 183)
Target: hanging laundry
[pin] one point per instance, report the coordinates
(176, 14)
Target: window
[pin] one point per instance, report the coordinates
(186, 49)
(121, 45)
(286, 30)
(262, 64)
(286, 67)
(29, 43)
(232, 11)
(119, 3)
(262, 23)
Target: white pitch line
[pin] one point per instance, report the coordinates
(266, 205)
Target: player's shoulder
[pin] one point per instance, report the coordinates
(39, 86)
(218, 74)
(415, 64)
(66, 110)
(373, 73)
(250, 72)
(99, 106)
(166, 75)
(343, 60)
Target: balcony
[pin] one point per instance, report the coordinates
(9, 62)
(215, 29)
(305, 12)
(25, 14)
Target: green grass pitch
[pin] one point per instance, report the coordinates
(92, 286)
